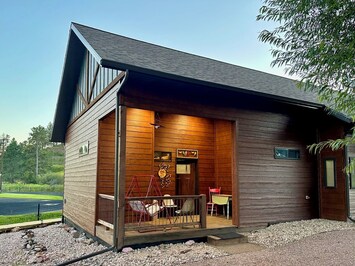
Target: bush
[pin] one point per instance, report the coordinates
(21, 187)
(52, 178)
(56, 168)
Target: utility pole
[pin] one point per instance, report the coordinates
(4, 140)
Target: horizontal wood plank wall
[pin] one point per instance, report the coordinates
(333, 203)
(223, 155)
(274, 190)
(187, 132)
(106, 158)
(139, 147)
(351, 153)
(269, 189)
(81, 172)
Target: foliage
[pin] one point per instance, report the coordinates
(34, 161)
(30, 196)
(12, 161)
(13, 219)
(21, 187)
(52, 178)
(315, 40)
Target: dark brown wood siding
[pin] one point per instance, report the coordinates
(272, 189)
(351, 154)
(269, 189)
(333, 204)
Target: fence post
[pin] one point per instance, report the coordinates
(203, 210)
(38, 211)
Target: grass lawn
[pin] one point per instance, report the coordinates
(30, 196)
(13, 219)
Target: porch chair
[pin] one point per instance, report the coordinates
(169, 203)
(169, 206)
(220, 200)
(187, 210)
(210, 206)
(151, 210)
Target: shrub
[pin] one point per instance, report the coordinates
(52, 178)
(21, 187)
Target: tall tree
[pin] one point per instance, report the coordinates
(13, 162)
(39, 138)
(315, 40)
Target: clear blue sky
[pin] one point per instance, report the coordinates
(34, 35)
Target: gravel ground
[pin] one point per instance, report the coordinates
(330, 248)
(57, 243)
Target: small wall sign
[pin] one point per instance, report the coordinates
(187, 153)
(84, 149)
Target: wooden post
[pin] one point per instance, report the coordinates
(121, 176)
(203, 210)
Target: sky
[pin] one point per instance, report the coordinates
(34, 36)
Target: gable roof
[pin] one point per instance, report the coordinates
(123, 53)
(119, 52)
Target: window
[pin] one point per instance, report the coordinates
(287, 153)
(352, 174)
(329, 172)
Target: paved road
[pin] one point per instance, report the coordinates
(22, 206)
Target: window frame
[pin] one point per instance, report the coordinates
(287, 156)
(352, 175)
(325, 178)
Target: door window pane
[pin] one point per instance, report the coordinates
(352, 175)
(329, 172)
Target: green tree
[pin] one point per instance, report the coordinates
(315, 40)
(13, 162)
(4, 141)
(39, 138)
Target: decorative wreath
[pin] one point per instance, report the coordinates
(164, 174)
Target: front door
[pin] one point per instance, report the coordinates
(186, 182)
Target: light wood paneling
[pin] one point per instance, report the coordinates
(81, 171)
(187, 132)
(106, 155)
(139, 146)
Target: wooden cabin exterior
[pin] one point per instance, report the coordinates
(250, 131)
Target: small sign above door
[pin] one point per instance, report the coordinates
(187, 153)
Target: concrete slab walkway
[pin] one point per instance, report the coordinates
(27, 225)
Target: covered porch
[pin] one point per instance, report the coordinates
(169, 162)
(164, 225)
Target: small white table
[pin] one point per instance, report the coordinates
(222, 199)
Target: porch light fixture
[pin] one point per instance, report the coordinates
(156, 123)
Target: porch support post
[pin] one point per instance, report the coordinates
(203, 210)
(121, 177)
(120, 171)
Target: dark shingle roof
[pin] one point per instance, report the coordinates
(126, 53)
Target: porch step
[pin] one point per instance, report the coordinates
(224, 239)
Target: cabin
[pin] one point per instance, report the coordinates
(150, 133)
